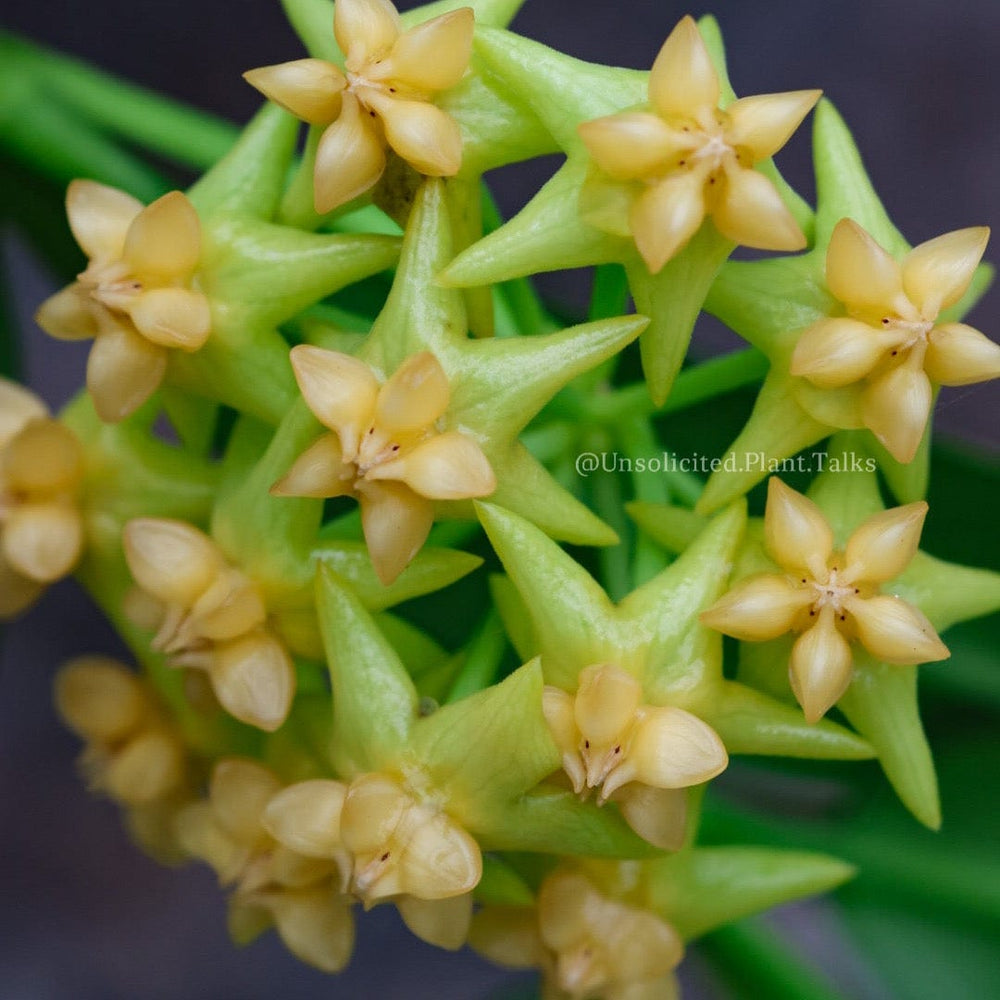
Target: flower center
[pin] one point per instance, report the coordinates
(914, 330)
(832, 592)
(376, 448)
(111, 284)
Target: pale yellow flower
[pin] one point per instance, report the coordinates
(685, 159)
(209, 616)
(890, 342)
(589, 946)
(383, 99)
(831, 598)
(642, 756)
(408, 849)
(387, 448)
(132, 754)
(135, 296)
(41, 471)
(300, 892)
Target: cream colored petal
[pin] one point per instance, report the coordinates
(99, 217)
(200, 835)
(765, 122)
(254, 680)
(672, 748)
(292, 870)
(123, 371)
(164, 241)
(557, 707)
(750, 212)
(306, 817)
(45, 458)
(350, 158)
(882, 546)
(758, 609)
(231, 607)
(145, 769)
(319, 471)
(17, 592)
(173, 317)
(396, 522)
(606, 702)
(683, 80)
(433, 55)
(960, 355)
(632, 145)
(796, 533)
(100, 698)
(640, 945)
(443, 923)
(565, 900)
(859, 271)
(416, 395)
(365, 28)
(372, 810)
(820, 667)
(246, 921)
(172, 560)
(308, 88)
(43, 541)
(896, 407)
(67, 315)
(315, 925)
(507, 936)
(18, 406)
(422, 134)
(896, 632)
(837, 352)
(937, 273)
(339, 389)
(239, 791)
(440, 860)
(666, 215)
(449, 466)
(658, 815)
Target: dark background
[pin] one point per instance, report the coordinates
(84, 916)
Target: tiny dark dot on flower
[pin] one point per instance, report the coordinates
(857, 590)
(886, 321)
(618, 749)
(586, 744)
(812, 614)
(843, 618)
(681, 163)
(385, 857)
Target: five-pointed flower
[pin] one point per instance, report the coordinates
(834, 300)
(383, 99)
(665, 169)
(890, 342)
(631, 182)
(41, 470)
(831, 598)
(387, 447)
(637, 703)
(136, 297)
(209, 616)
(297, 887)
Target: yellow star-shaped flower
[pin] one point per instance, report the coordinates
(384, 99)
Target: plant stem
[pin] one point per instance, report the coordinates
(757, 965)
(482, 660)
(190, 137)
(59, 146)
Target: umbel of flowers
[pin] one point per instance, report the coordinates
(534, 785)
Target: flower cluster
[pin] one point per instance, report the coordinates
(525, 771)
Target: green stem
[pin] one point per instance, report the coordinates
(143, 117)
(59, 146)
(482, 659)
(609, 504)
(756, 965)
(640, 444)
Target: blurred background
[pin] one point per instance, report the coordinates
(86, 917)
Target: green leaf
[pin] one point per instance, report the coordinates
(250, 178)
(374, 700)
(501, 885)
(707, 887)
